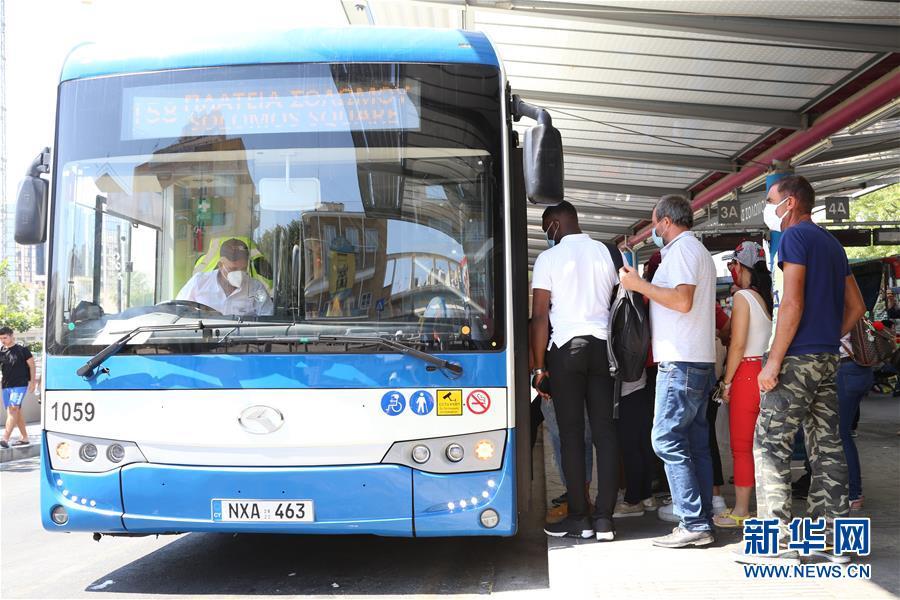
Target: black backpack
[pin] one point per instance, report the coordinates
(628, 333)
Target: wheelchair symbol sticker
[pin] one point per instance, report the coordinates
(393, 403)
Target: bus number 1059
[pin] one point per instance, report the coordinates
(73, 411)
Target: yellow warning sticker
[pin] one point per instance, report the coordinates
(449, 403)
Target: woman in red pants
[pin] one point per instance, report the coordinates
(751, 325)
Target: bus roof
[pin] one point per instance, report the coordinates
(325, 45)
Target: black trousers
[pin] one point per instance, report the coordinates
(537, 417)
(579, 377)
(638, 459)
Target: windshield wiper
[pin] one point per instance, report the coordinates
(88, 369)
(454, 368)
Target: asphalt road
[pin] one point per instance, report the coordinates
(39, 564)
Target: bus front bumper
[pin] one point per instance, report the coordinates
(381, 499)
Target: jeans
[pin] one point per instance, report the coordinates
(853, 383)
(579, 378)
(552, 429)
(681, 439)
(712, 413)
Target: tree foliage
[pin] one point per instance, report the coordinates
(13, 310)
(879, 206)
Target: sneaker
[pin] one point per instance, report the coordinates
(561, 499)
(682, 538)
(604, 530)
(828, 555)
(853, 433)
(718, 505)
(570, 527)
(623, 509)
(650, 504)
(782, 557)
(857, 503)
(667, 513)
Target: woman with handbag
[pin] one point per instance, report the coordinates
(751, 326)
(853, 383)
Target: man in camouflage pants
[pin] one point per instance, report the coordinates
(798, 379)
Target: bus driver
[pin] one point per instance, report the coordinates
(229, 288)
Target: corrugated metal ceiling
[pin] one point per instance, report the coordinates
(653, 96)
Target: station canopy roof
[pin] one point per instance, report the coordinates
(655, 97)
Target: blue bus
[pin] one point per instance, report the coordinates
(287, 286)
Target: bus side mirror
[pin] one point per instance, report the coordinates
(31, 202)
(542, 156)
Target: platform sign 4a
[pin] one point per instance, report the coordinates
(837, 208)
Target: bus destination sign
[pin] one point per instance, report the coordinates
(314, 104)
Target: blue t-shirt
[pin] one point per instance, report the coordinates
(826, 265)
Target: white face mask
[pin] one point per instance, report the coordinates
(770, 215)
(236, 278)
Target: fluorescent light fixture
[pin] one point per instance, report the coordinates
(887, 236)
(754, 183)
(887, 111)
(811, 152)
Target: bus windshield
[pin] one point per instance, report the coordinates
(344, 198)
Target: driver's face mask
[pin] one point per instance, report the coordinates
(236, 278)
(236, 275)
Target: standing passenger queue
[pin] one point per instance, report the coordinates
(780, 374)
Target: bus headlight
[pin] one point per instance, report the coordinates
(484, 450)
(59, 515)
(63, 450)
(90, 455)
(489, 518)
(115, 453)
(87, 452)
(465, 453)
(421, 454)
(455, 452)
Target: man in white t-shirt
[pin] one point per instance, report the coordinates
(682, 318)
(229, 289)
(572, 286)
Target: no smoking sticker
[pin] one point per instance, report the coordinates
(478, 402)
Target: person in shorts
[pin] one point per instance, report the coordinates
(17, 380)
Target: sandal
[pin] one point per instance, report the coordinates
(4, 443)
(21, 443)
(726, 520)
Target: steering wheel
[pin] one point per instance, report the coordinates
(197, 306)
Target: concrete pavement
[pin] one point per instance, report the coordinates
(631, 567)
(20, 452)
